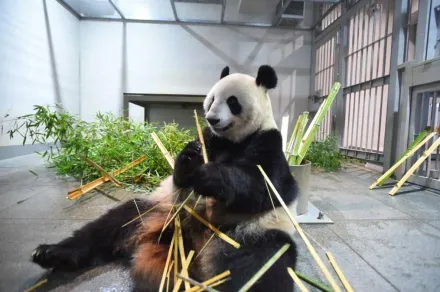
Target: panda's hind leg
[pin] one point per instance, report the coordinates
(101, 240)
(254, 252)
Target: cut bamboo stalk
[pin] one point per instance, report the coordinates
(341, 276)
(265, 268)
(195, 283)
(168, 275)
(162, 281)
(78, 192)
(314, 283)
(162, 149)
(177, 211)
(316, 122)
(210, 226)
(414, 143)
(297, 280)
(292, 139)
(101, 170)
(39, 284)
(217, 283)
(176, 255)
(202, 140)
(298, 228)
(211, 281)
(398, 163)
(205, 245)
(184, 273)
(415, 166)
(298, 138)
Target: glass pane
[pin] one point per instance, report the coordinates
(146, 9)
(433, 46)
(198, 12)
(93, 8)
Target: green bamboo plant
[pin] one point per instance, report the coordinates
(298, 144)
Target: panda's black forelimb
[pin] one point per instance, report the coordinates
(187, 161)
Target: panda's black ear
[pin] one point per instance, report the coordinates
(225, 72)
(267, 77)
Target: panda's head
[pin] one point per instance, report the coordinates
(238, 104)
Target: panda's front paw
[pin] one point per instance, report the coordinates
(209, 182)
(187, 161)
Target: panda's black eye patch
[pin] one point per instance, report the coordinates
(234, 105)
(212, 101)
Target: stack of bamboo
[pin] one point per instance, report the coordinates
(421, 140)
(299, 142)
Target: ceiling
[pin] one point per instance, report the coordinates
(239, 12)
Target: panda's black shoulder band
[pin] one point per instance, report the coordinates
(267, 77)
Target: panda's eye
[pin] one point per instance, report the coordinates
(212, 101)
(234, 105)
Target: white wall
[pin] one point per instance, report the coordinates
(137, 113)
(186, 59)
(39, 59)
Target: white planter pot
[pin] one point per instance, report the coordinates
(302, 173)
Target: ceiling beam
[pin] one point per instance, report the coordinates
(173, 6)
(70, 9)
(117, 9)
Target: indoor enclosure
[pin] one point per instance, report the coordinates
(360, 78)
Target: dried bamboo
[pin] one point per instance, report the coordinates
(414, 143)
(197, 284)
(415, 166)
(311, 249)
(210, 226)
(40, 283)
(338, 271)
(162, 149)
(398, 163)
(297, 280)
(185, 265)
(264, 268)
(202, 140)
(78, 192)
(211, 281)
(101, 170)
(167, 263)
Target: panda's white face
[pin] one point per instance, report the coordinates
(237, 107)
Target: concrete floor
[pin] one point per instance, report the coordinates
(381, 243)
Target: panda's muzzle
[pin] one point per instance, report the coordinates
(218, 129)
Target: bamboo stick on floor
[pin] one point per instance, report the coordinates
(398, 163)
(297, 281)
(101, 170)
(415, 166)
(338, 271)
(78, 192)
(310, 247)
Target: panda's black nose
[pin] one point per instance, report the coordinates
(213, 121)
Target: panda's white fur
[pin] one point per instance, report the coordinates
(255, 101)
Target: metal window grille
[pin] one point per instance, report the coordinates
(411, 30)
(331, 12)
(324, 79)
(367, 77)
(425, 112)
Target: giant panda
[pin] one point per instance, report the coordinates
(240, 135)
